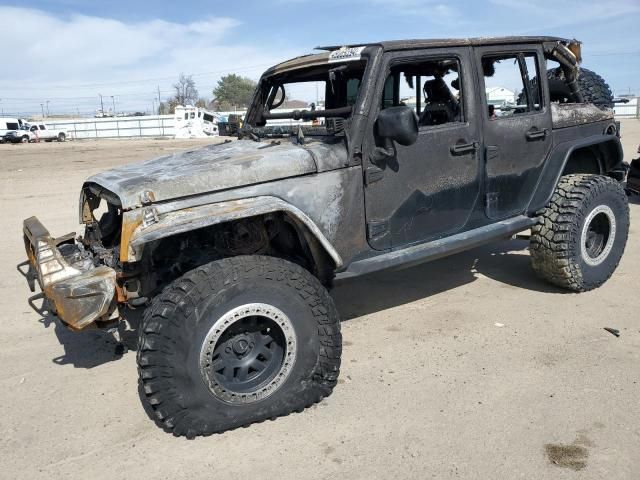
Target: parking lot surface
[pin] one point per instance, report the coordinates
(467, 367)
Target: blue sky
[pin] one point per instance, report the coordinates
(73, 50)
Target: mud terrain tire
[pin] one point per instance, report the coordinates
(201, 332)
(592, 86)
(581, 235)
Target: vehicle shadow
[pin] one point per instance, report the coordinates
(91, 348)
(507, 262)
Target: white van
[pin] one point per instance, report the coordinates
(9, 124)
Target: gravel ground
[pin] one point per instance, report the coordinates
(468, 367)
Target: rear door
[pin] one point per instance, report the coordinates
(517, 125)
(429, 189)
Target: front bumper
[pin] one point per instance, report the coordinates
(77, 297)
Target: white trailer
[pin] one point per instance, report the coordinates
(194, 122)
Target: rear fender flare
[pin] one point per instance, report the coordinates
(557, 162)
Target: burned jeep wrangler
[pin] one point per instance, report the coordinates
(406, 157)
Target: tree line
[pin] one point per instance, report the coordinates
(232, 92)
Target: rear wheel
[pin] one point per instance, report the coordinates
(24, 139)
(61, 137)
(238, 341)
(581, 235)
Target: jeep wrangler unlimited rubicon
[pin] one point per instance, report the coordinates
(231, 247)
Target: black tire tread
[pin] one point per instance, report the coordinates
(593, 87)
(161, 325)
(552, 255)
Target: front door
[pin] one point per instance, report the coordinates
(429, 189)
(517, 126)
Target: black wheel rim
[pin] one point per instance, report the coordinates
(598, 233)
(248, 354)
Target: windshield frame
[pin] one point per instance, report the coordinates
(256, 113)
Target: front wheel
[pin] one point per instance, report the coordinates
(24, 139)
(237, 341)
(581, 234)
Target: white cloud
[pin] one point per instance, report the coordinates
(561, 13)
(94, 55)
(432, 10)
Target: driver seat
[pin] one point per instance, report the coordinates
(440, 104)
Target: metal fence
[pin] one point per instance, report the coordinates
(117, 127)
(128, 127)
(163, 125)
(628, 110)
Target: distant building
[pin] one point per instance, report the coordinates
(500, 95)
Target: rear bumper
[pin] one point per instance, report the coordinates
(77, 297)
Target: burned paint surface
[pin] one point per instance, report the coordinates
(80, 296)
(212, 168)
(332, 201)
(571, 114)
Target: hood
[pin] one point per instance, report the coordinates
(214, 167)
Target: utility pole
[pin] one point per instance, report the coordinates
(101, 104)
(159, 101)
(114, 105)
(47, 108)
(42, 108)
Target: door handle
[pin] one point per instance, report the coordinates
(460, 148)
(535, 134)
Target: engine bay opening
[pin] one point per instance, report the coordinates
(101, 213)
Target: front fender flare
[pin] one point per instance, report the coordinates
(192, 218)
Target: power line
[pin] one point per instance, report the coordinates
(127, 82)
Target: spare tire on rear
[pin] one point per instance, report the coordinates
(592, 86)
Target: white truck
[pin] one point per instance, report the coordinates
(46, 133)
(7, 125)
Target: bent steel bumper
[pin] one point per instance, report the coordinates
(77, 297)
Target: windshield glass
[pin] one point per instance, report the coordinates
(319, 99)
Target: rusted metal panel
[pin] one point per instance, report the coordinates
(130, 222)
(79, 297)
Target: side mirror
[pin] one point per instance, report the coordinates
(399, 124)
